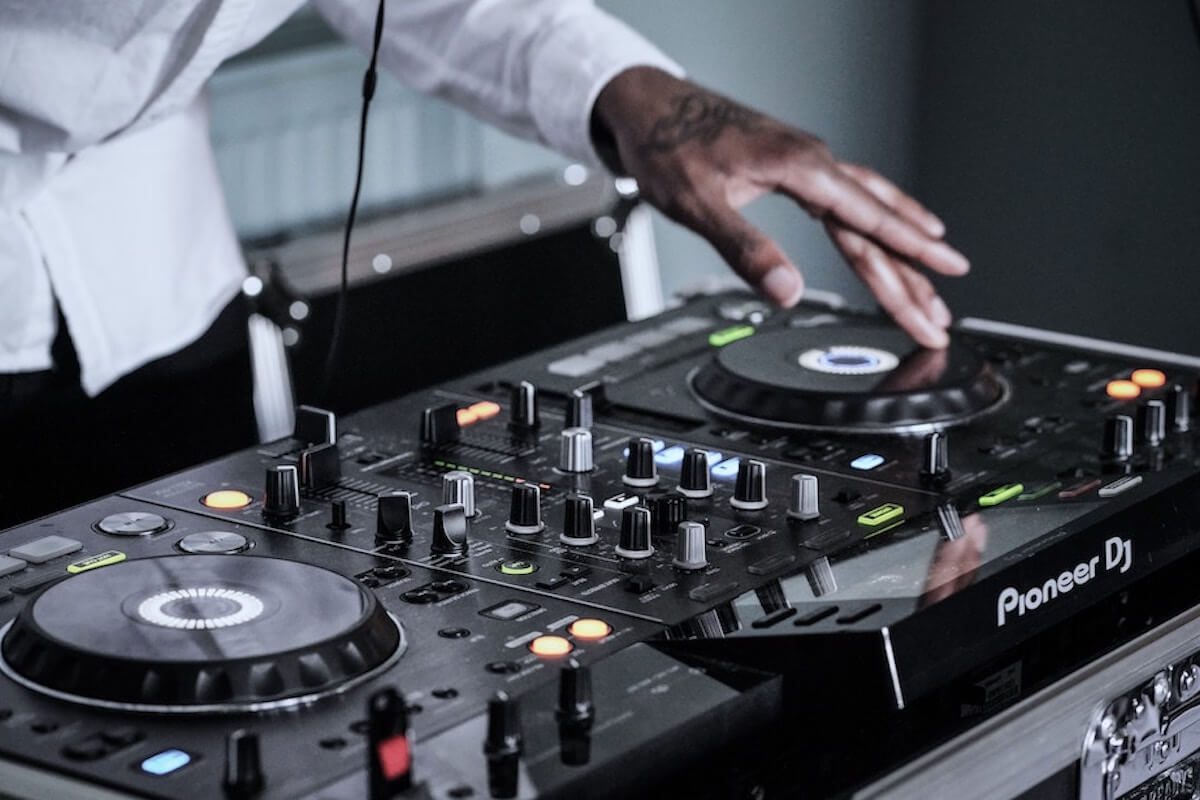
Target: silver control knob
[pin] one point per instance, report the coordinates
(575, 452)
(458, 487)
(803, 502)
(690, 547)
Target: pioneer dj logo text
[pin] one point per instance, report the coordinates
(1117, 555)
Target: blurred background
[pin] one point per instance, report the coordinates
(1059, 140)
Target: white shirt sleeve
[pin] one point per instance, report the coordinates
(531, 67)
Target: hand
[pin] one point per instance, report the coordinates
(699, 157)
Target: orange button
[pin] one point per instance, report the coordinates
(227, 499)
(550, 646)
(485, 409)
(1123, 390)
(466, 417)
(1148, 378)
(587, 628)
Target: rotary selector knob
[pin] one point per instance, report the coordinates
(1118, 438)
(694, 478)
(575, 450)
(935, 457)
(1152, 422)
(666, 512)
(635, 533)
(459, 487)
(281, 495)
(525, 413)
(750, 486)
(803, 502)
(525, 510)
(690, 547)
(640, 469)
(579, 521)
(393, 518)
(449, 530)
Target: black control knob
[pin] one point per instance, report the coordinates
(666, 512)
(525, 413)
(694, 478)
(503, 744)
(525, 510)
(449, 530)
(690, 547)
(1179, 409)
(580, 413)
(243, 766)
(579, 521)
(935, 458)
(393, 518)
(389, 754)
(635, 533)
(803, 500)
(458, 486)
(439, 425)
(1118, 438)
(314, 425)
(640, 469)
(1152, 422)
(575, 706)
(750, 486)
(281, 495)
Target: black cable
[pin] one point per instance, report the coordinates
(368, 92)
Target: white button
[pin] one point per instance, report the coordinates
(574, 366)
(39, 551)
(1120, 485)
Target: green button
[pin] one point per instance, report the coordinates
(518, 568)
(997, 496)
(98, 560)
(881, 515)
(1038, 492)
(729, 335)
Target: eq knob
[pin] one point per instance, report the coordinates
(666, 512)
(1152, 422)
(694, 478)
(459, 487)
(449, 530)
(750, 486)
(243, 766)
(393, 518)
(935, 458)
(690, 547)
(1179, 409)
(640, 469)
(281, 495)
(524, 510)
(635, 533)
(575, 450)
(1118, 438)
(503, 744)
(525, 413)
(579, 521)
(580, 410)
(803, 502)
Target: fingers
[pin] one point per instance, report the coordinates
(906, 295)
(838, 194)
(753, 255)
(891, 194)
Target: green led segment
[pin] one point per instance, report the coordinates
(729, 335)
(997, 496)
(881, 515)
(518, 568)
(1038, 492)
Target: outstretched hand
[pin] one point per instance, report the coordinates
(699, 157)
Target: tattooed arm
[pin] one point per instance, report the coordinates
(699, 157)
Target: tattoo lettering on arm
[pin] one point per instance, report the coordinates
(697, 116)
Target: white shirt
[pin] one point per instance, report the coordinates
(109, 195)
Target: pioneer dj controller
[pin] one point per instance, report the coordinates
(723, 551)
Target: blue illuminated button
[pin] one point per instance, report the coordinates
(726, 469)
(669, 456)
(166, 762)
(867, 461)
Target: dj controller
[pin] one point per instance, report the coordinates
(722, 552)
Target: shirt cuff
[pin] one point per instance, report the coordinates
(574, 61)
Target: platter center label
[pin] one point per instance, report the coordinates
(200, 608)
